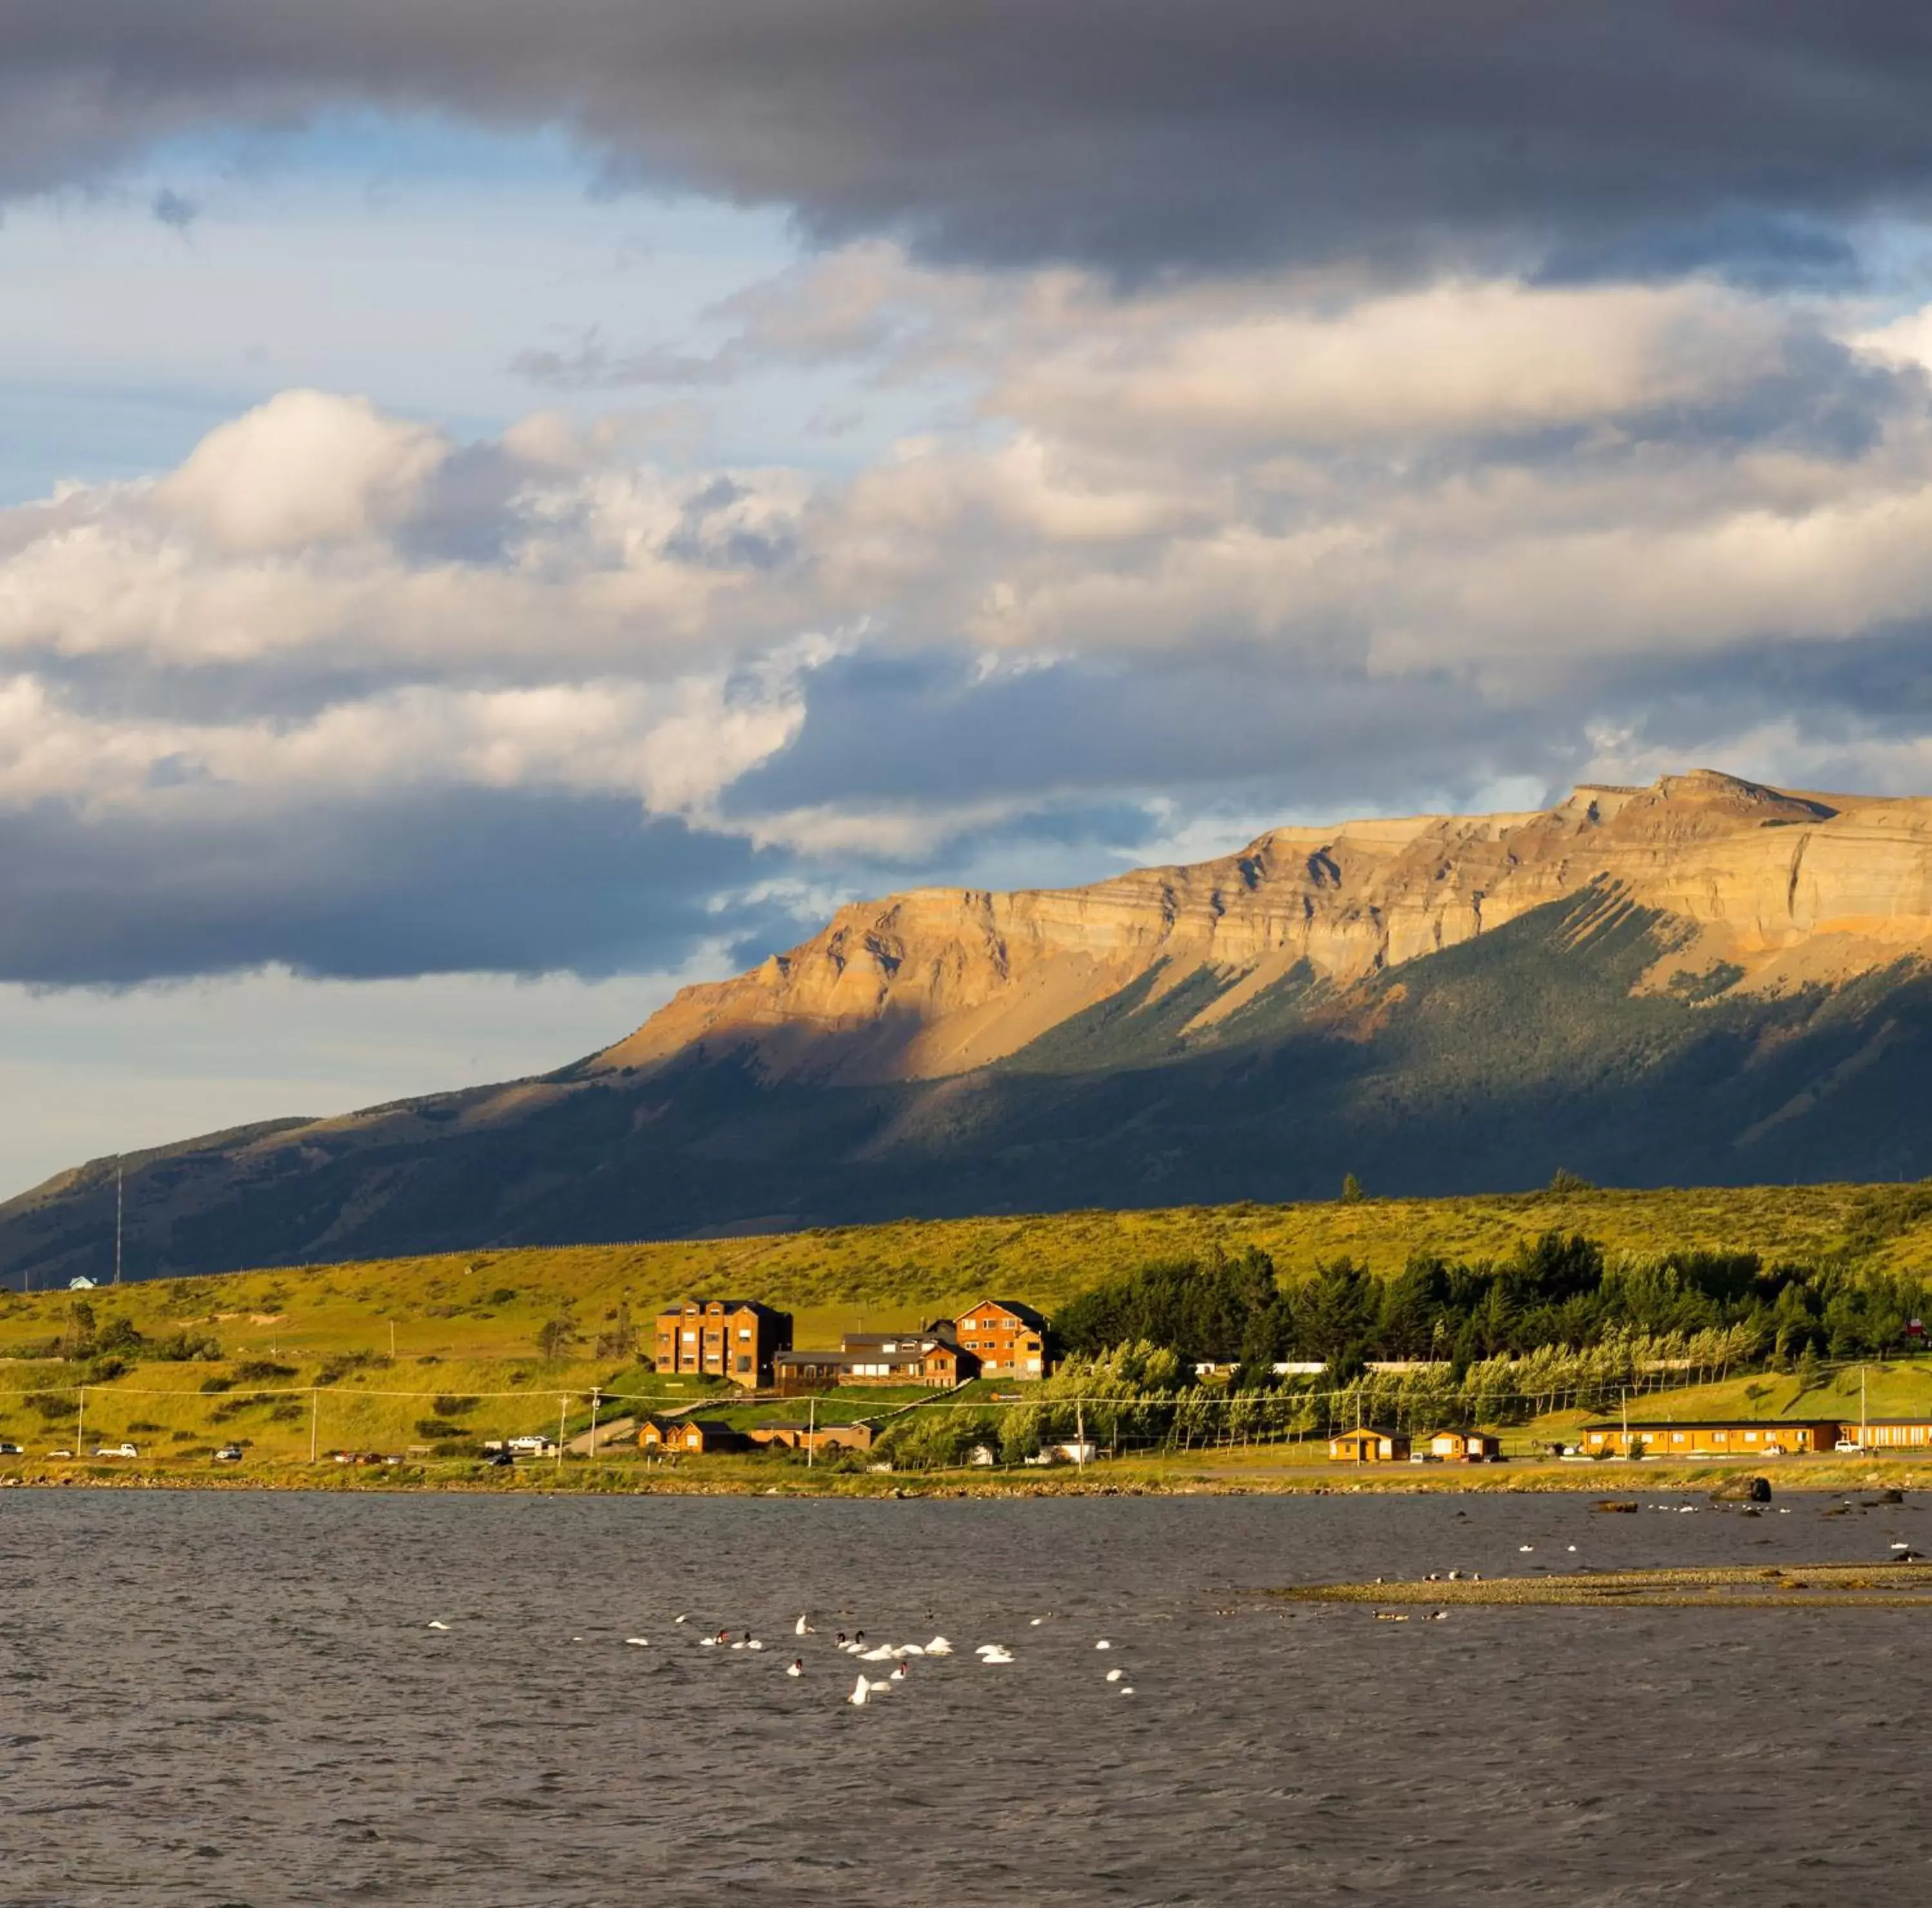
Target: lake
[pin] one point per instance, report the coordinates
(236, 1698)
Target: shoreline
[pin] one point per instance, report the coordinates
(1152, 1480)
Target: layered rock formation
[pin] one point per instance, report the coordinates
(1703, 981)
(1783, 887)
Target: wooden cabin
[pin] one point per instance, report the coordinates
(693, 1435)
(1369, 1446)
(1464, 1446)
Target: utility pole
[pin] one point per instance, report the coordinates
(392, 1341)
(1863, 1419)
(563, 1406)
(811, 1431)
(79, 1419)
(1624, 1394)
(314, 1422)
(117, 1218)
(596, 1399)
(1079, 1436)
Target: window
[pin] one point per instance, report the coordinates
(744, 1331)
(744, 1362)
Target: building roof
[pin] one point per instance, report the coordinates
(1364, 1431)
(682, 1308)
(1024, 1314)
(1726, 1424)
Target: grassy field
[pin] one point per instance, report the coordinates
(398, 1344)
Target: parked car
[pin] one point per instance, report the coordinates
(60, 1454)
(1849, 1447)
(116, 1451)
(228, 1454)
(7, 1450)
(498, 1459)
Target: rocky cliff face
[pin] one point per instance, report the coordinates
(1703, 981)
(1784, 888)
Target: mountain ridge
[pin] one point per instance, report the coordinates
(1706, 977)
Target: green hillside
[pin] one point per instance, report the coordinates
(513, 1329)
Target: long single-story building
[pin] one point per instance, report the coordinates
(794, 1435)
(1369, 1446)
(1710, 1437)
(1889, 1433)
(929, 1358)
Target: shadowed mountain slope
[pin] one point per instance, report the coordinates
(1704, 981)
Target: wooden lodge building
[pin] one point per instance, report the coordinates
(733, 1339)
(1008, 1339)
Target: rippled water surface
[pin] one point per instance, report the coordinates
(217, 1698)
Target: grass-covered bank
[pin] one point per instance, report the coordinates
(1258, 1472)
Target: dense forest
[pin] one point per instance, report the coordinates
(1557, 1291)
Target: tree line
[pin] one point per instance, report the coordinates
(1556, 1291)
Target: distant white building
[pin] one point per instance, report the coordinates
(82, 1283)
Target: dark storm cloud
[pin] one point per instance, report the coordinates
(1212, 729)
(1137, 134)
(462, 880)
(1852, 694)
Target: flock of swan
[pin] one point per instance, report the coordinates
(900, 1656)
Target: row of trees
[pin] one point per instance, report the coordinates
(1143, 1395)
(1556, 1291)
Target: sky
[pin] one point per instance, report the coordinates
(506, 512)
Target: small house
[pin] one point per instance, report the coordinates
(1369, 1446)
(1464, 1446)
(695, 1436)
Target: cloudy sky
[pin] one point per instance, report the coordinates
(506, 509)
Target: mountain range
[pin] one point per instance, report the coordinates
(1705, 981)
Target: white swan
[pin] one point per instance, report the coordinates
(642, 1642)
(909, 1649)
(883, 1654)
(801, 1628)
(1114, 1675)
(754, 1644)
(861, 1691)
(898, 1675)
(991, 1653)
(795, 1667)
(939, 1646)
(435, 1625)
(1103, 1644)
